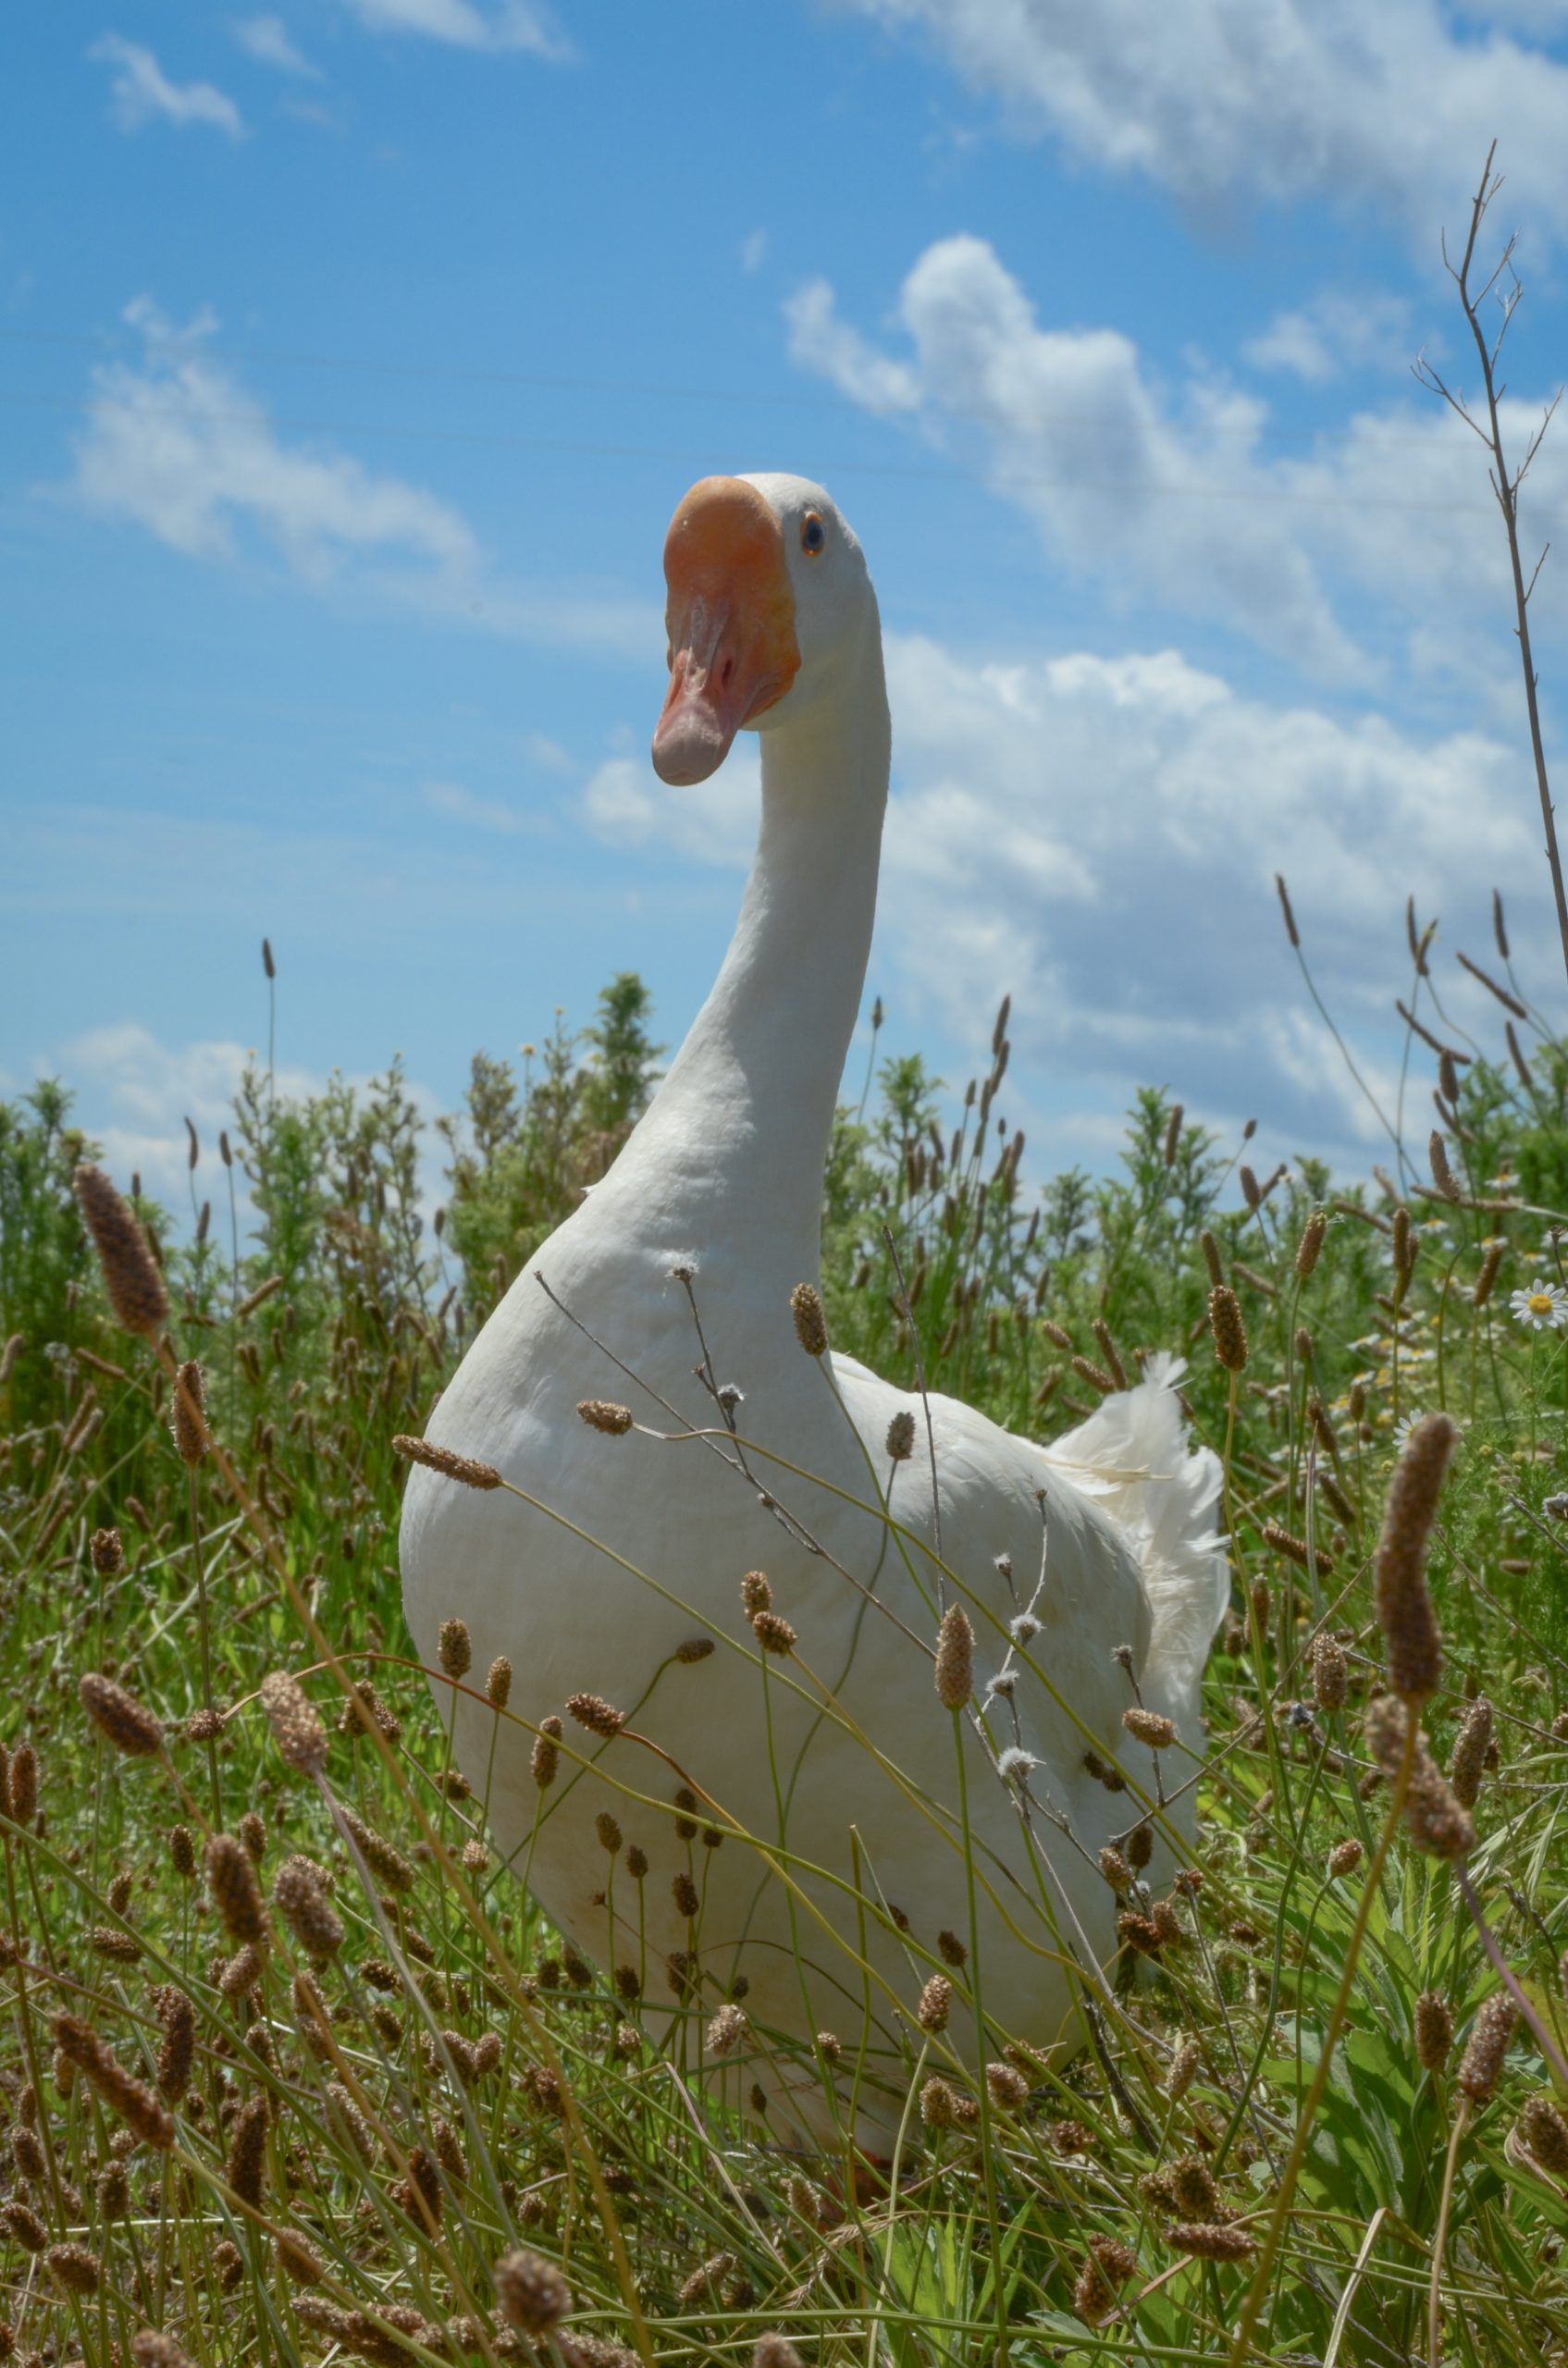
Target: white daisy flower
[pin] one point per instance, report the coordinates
(1542, 1305)
(1404, 1428)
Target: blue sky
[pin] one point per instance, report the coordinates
(353, 355)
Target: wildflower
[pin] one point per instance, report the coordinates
(1213, 2240)
(954, 1658)
(1345, 1856)
(1229, 1331)
(938, 2103)
(74, 2267)
(936, 2000)
(152, 2348)
(297, 1728)
(130, 1273)
(592, 1711)
(1404, 1606)
(178, 2055)
(1149, 1727)
(1114, 1868)
(1545, 2132)
(1184, 2066)
(1480, 2068)
(774, 2350)
(1192, 2190)
(1330, 1672)
(443, 1459)
(107, 1549)
(1311, 1243)
(453, 1648)
(727, 2030)
(118, 1716)
(1024, 1628)
(810, 1323)
(1007, 2086)
(20, 1787)
(1470, 1749)
(901, 1437)
(121, 2091)
(531, 2293)
(379, 1857)
(190, 1425)
(547, 1754)
(498, 1684)
(247, 2152)
(300, 1893)
(231, 1879)
(774, 1632)
(1542, 1306)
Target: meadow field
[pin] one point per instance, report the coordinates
(291, 2069)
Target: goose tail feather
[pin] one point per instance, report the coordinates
(1163, 1494)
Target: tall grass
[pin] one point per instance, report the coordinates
(384, 2075)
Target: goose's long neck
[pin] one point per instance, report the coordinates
(731, 1155)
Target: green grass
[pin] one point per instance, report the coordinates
(469, 2060)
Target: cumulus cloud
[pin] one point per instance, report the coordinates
(515, 24)
(135, 1092)
(1076, 433)
(713, 821)
(177, 444)
(1171, 498)
(1276, 100)
(1333, 333)
(450, 799)
(141, 93)
(267, 39)
(1100, 835)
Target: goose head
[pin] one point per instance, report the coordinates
(768, 599)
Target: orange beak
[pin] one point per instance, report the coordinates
(731, 621)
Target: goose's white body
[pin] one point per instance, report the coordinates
(644, 1543)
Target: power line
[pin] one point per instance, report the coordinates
(983, 415)
(511, 439)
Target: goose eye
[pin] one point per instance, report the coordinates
(813, 535)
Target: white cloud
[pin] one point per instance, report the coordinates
(181, 448)
(141, 93)
(1277, 100)
(819, 340)
(548, 754)
(753, 251)
(178, 445)
(1100, 835)
(515, 24)
(1080, 439)
(715, 821)
(134, 1094)
(267, 39)
(1333, 333)
(459, 804)
(1171, 498)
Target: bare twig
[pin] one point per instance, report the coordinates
(1505, 486)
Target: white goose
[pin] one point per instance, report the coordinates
(839, 1759)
